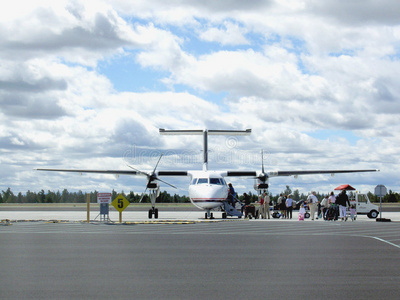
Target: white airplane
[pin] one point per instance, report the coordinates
(208, 189)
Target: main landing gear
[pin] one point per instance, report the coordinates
(153, 194)
(153, 211)
(209, 215)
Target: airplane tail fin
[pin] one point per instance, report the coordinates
(205, 134)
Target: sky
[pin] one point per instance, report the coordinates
(87, 84)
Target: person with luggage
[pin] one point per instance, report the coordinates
(324, 206)
(342, 200)
(312, 202)
(246, 200)
(333, 206)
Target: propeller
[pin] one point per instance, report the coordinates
(151, 177)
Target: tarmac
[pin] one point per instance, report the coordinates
(53, 253)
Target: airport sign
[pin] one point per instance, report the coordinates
(120, 203)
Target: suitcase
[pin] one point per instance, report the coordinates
(249, 211)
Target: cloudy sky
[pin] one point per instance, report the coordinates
(87, 84)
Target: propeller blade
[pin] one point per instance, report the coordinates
(143, 194)
(262, 161)
(166, 183)
(140, 172)
(157, 163)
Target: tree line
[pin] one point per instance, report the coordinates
(79, 197)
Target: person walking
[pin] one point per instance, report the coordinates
(324, 206)
(231, 195)
(246, 200)
(312, 201)
(342, 200)
(333, 205)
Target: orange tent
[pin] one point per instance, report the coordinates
(346, 187)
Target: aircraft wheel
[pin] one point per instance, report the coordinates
(224, 215)
(206, 216)
(156, 213)
(150, 213)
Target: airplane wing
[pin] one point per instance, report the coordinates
(311, 172)
(291, 173)
(115, 172)
(118, 172)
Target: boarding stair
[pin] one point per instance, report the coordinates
(230, 210)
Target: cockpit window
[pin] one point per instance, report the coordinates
(194, 181)
(202, 181)
(215, 181)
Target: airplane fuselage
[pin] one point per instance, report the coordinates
(207, 189)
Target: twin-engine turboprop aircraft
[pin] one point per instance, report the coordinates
(208, 189)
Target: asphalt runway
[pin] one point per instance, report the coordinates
(236, 259)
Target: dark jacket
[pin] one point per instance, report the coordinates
(342, 199)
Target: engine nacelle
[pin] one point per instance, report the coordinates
(152, 185)
(259, 185)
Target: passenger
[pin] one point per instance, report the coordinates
(283, 206)
(333, 206)
(342, 200)
(261, 213)
(231, 195)
(302, 212)
(324, 207)
(267, 202)
(289, 207)
(353, 212)
(246, 200)
(279, 203)
(332, 199)
(312, 201)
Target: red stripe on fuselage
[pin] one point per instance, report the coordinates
(208, 199)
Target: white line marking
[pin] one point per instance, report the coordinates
(382, 240)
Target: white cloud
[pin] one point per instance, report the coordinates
(231, 34)
(287, 69)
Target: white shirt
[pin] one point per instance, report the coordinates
(289, 202)
(332, 199)
(312, 199)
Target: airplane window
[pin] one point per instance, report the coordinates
(202, 181)
(215, 181)
(194, 181)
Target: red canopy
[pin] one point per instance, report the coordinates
(346, 187)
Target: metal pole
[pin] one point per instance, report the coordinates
(380, 206)
(88, 208)
(120, 216)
